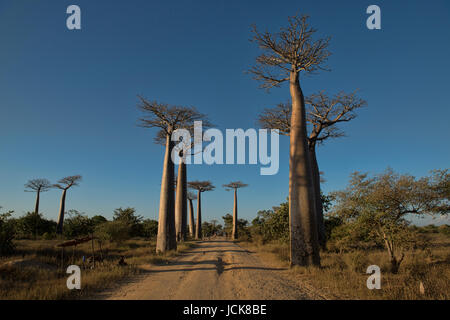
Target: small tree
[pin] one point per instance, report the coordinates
(130, 218)
(77, 224)
(38, 186)
(65, 184)
(167, 118)
(200, 186)
(379, 206)
(285, 55)
(235, 186)
(6, 234)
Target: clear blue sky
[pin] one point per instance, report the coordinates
(68, 98)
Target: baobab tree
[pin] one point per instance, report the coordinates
(65, 184)
(185, 149)
(167, 118)
(191, 197)
(200, 186)
(38, 186)
(235, 186)
(285, 55)
(323, 115)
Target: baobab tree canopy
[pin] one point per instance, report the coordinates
(323, 114)
(201, 186)
(68, 182)
(292, 49)
(41, 185)
(235, 185)
(167, 117)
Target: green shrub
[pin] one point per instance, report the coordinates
(6, 234)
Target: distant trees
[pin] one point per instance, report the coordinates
(377, 207)
(285, 55)
(200, 186)
(235, 186)
(242, 226)
(6, 233)
(191, 197)
(210, 228)
(65, 184)
(323, 115)
(33, 225)
(167, 118)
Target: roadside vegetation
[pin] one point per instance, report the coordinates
(34, 269)
(366, 224)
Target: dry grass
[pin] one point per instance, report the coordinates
(342, 276)
(35, 271)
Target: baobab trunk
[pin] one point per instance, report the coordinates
(317, 196)
(304, 247)
(234, 235)
(181, 202)
(198, 229)
(191, 219)
(59, 226)
(36, 213)
(36, 208)
(166, 239)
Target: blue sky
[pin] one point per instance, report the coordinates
(68, 98)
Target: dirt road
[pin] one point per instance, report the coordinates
(216, 269)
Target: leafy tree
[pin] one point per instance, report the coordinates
(78, 224)
(285, 55)
(273, 224)
(210, 228)
(33, 225)
(6, 233)
(378, 207)
(114, 231)
(150, 228)
(129, 217)
(97, 220)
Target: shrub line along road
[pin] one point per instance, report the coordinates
(212, 270)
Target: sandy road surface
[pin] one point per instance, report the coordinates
(215, 269)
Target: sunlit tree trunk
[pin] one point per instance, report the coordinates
(198, 229)
(235, 217)
(304, 247)
(181, 202)
(166, 239)
(59, 226)
(317, 195)
(191, 219)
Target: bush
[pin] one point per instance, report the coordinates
(357, 261)
(114, 231)
(49, 236)
(6, 234)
